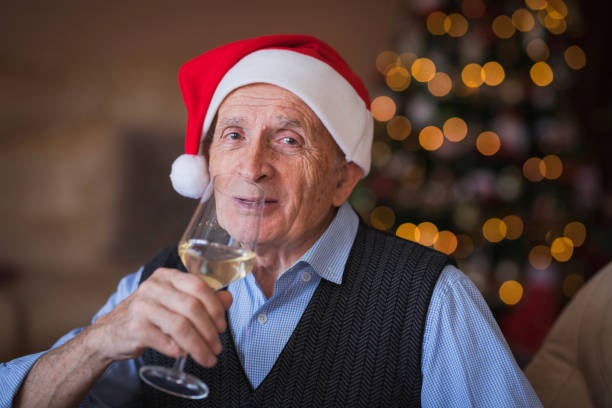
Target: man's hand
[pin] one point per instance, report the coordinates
(169, 312)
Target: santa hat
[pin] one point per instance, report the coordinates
(303, 65)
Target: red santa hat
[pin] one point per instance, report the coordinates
(303, 65)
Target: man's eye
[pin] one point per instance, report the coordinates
(233, 136)
(289, 140)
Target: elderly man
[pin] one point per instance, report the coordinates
(334, 314)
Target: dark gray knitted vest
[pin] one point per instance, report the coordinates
(358, 344)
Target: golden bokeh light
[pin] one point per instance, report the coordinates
(531, 169)
(494, 230)
(472, 75)
(440, 85)
(386, 60)
(554, 25)
(407, 58)
(455, 129)
(382, 218)
(446, 242)
(576, 231)
(514, 225)
(562, 249)
(409, 231)
(383, 108)
(511, 292)
(399, 128)
(397, 78)
(503, 27)
(536, 4)
(455, 25)
(431, 138)
(435, 23)
(557, 9)
(473, 8)
(429, 233)
(575, 57)
(537, 50)
(551, 167)
(423, 69)
(465, 246)
(541, 74)
(523, 20)
(488, 143)
(493, 73)
(539, 257)
(572, 284)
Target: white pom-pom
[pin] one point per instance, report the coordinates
(189, 175)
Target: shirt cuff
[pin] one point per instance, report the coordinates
(12, 375)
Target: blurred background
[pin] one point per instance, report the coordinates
(491, 143)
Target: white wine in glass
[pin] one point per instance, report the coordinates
(219, 246)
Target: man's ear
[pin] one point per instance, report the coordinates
(350, 174)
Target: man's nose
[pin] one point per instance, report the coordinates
(254, 164)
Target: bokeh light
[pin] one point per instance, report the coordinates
(562, 249)
(455, 129)
(383, 108)
(423, 69)
(572, 284)
(575, 57)
(465, 246)
(502, 27)
(539, 257)
(382, 217)
(551, 167)
(488, 143)
(397, 78)
(472, 75)
(386, 60)
(409, 231)
(494, 230)
(576, 231)
(511, 292)
(435, 23)
(537, 50)
(446, 242)
(523, 20)
(555, 25)
(440, 85)
(541, 73)
(556, 8)
(455, 25)
(399, 128)
(515, 226)
(431, 138)
(531, 169)
(493, 73)
(536, 4)
(429, 233)
(473, 8)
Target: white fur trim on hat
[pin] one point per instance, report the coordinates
(189, 175)
(331, 97)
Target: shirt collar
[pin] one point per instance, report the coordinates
(329, 254)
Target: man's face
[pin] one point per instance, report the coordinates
(269, 135)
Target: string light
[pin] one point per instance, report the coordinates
(397, 78)
(511, 292)
(429, 233)
(455, 25)
(576, 231)
(386, 60)
(575, 57)
(423, 69)
(473, 8)
(562, 249)
(523, 20)
(488, 143)
(382, 218)
(494, 230)
(539, 257)
(531, 169)
(537, 50)
(431, 138)
(514, 225)
(435, 23)
(541, 74)
(440, 85)
(383, 108)
(555, 25)
(536, 4)
(472, 76)
(455, 129)
(502, 27)
(493, 73)
(399, 128)
(446, 242)
(409, 231)
(551, 167)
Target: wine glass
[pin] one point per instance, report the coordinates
(219, 246)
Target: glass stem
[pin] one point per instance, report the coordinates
(179, 363)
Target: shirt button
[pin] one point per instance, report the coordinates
(306, 276)
(262, 318)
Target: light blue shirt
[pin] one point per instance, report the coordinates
(466, 360)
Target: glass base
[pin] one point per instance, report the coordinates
(174, 382)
